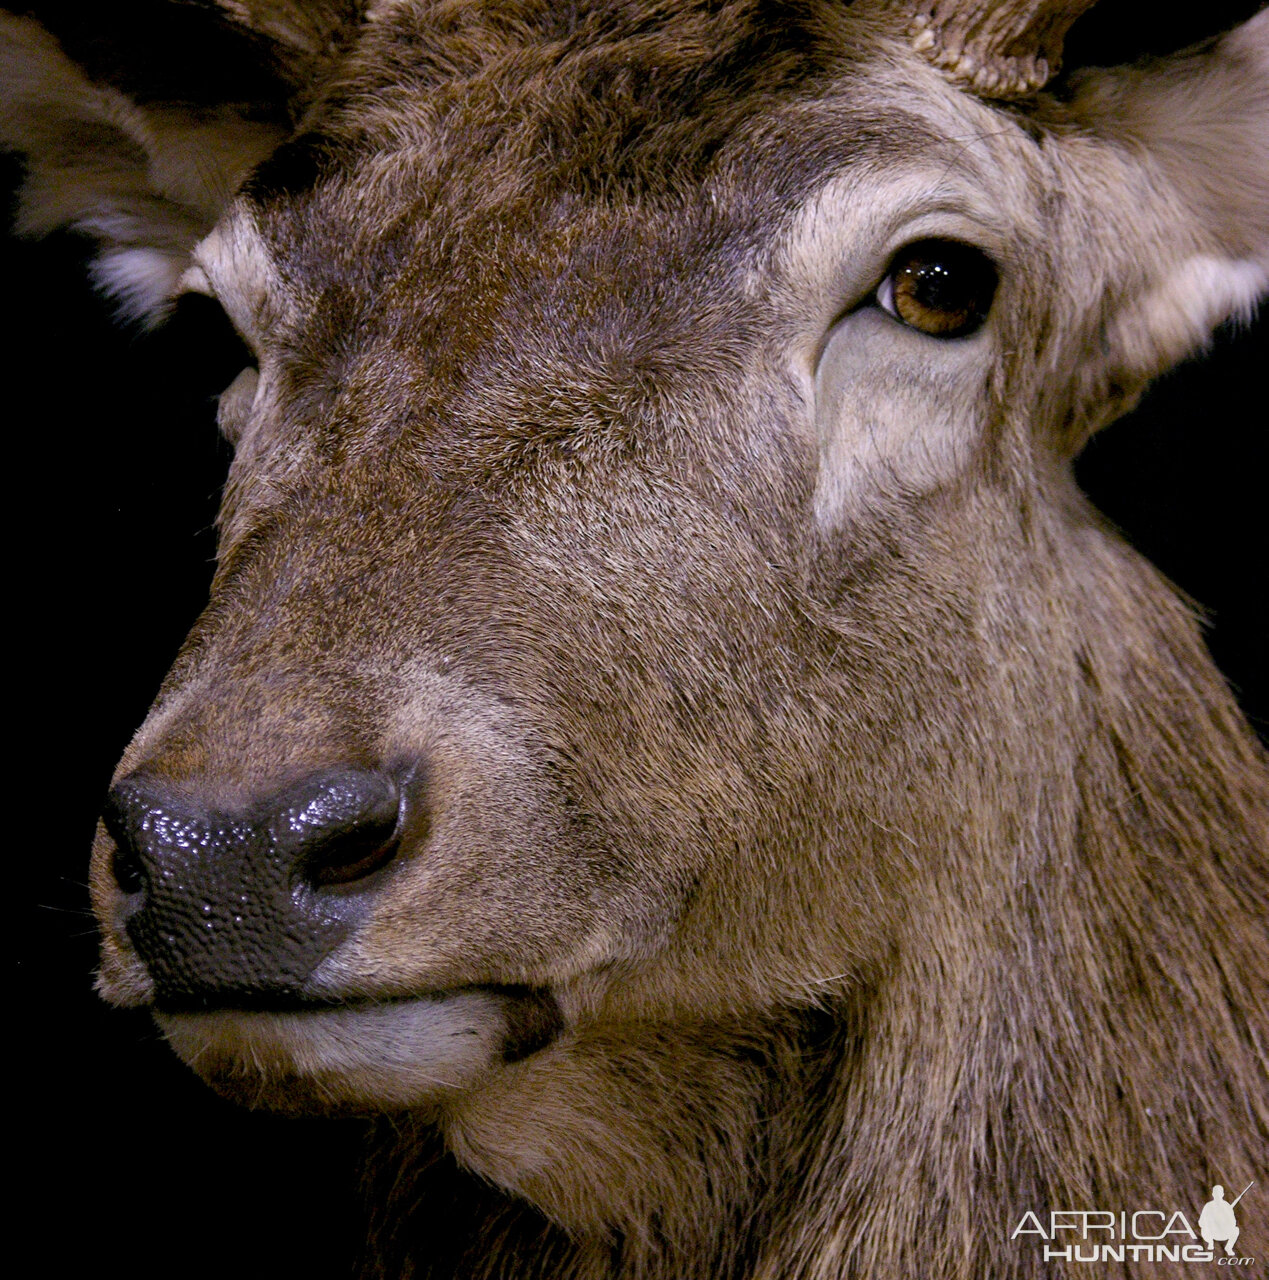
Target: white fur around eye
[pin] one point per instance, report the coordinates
(236, 402)
(895, 412)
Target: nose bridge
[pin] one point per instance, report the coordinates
(284, 671)
(243, 729)
(355, 574)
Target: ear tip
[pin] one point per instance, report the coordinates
(1249, 42)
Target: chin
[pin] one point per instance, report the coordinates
(352, 1059)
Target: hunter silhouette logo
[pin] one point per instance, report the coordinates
(1217, 1222)
(1144, 1235)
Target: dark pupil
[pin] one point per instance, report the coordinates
(938, 287)
(953, 282)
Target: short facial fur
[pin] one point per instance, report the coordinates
(784, 747)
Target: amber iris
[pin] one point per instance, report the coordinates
(941, 287)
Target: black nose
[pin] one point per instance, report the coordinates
(239, 908)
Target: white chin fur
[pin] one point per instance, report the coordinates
(381, 1057)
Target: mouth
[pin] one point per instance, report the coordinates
(359, 1058)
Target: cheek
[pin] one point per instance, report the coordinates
(896, 412)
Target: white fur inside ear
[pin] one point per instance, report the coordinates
(146, 181)
(142, 282)
(1179, 313)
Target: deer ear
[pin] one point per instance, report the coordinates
(137, 144)
(1181, 154)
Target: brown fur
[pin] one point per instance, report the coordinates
(892, 849)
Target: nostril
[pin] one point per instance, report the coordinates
(125, 862)
(339, 827)
(221, 905)
(172, 854)
(127, 870)
(347, 856)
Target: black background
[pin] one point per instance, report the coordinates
(114, 474)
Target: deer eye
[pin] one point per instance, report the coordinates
(941, 287)
(235, 404)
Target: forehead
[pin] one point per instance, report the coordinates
(585, 188)
(515, 123)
